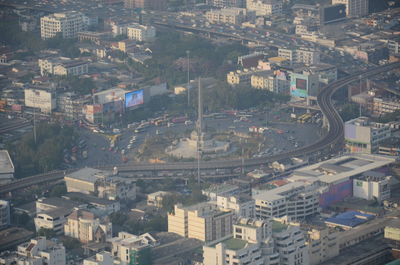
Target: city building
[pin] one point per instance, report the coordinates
(233, 15)
(323, 244)
(101, 258)
(363, 136)
(327, 73)
(221, 190)
(125, 246)
(354, 8)
(140, 32)
(5, 214)
(145, 4)
(156, 198)
(390, 147)
(302, 55)
(6, 168)
(52, 219)
(203, 221)
(264, 7)
(85, 227)
(372, 186)
(382, 106)
(296, 200)
(274, 81)
(102, 183)
(45, 100)
(394, 46)
(37, 251)
(304, 85)
(62, 66)
(68, 24)
(241, 205)
(243, 77)
(348, 220)
(71, 105)
(226, 3)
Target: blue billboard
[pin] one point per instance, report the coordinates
(134, 98)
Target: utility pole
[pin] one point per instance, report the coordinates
(188, 77)
(360, 94)
(199, 130)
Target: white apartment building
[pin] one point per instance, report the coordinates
(354, 8)
(264, 7)
(46, 101)
(297, 200)
(41, 251)
(242, 206)
(4, 214)
(302, 55)
(363, 136)
(62, 66)
(53, 220)
(85, 227)
(203, 221)
(6, 167)
(68, 24)
(233, 15)
(140, 32)
(126, 245)
(271, 82)
(372, 185)
(323, 244)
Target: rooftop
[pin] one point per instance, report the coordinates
(278, 227)
(349, 219)
(234, 243)
(88, 174)
(6, 165)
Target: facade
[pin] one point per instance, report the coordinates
(302, 55)
(71, 105)
(382, 106)
(296, 200)
(145, 4)
(68, 24)
(52, 219)
(102, 183)
(85, 227)
(264, 7)
(354, 8)
(226, 3)
(126, 246)
(271, 81)
(394, 46)
(371, 186)
(36, 252)
(390, 147)
(243, 77)
(242, 206)
(62, 66)
(203, 221)
(227, 15)
(221, 190)
(101, 258)
(42, 99)
(363, 136)
(327, 73)
(6, 167)
(304, 85)
(140, 32)
(323, 244)
(5, 215)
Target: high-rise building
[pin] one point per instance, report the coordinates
(203, 221)
(68, 24)
(354, 8)
(4, 214)
(39, 98)
(233, 15)
(140, 32)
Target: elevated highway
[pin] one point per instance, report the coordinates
(332, 142)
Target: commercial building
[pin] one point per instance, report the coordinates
(68, 24)
(372, 185)
(71, 105)
(145, 4)
(45, 100)
(394, 46)
(327, 73)
(85, 227)
(221, 190)
(101, 258)
(233, 15)
(226, 3)
(243, 77)
(241, 205)
(140, 32)
(323, 244)
(5, 215)
(363, 136)
(52, 219)
(390, 147)
(304, 85)
(348, 220)
(125, 246)
(36, 252)
(6, 167)
(203, 221)
(354, 8)
(274, 81)
(382, 106)
(302, 55)
(102, 183)
(62, 66)
(264, 7)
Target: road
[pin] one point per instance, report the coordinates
(331, 142)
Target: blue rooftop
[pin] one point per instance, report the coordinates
(350, 219)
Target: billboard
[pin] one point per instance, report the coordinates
(298, 86)
(134, 98)
(336, 193)
(332, 14)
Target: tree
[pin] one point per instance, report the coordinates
(349, 111)
(145, 256)
(71, 243)
(48, 233)
(58, 190)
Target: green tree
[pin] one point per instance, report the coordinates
(350, 111)
(48, 233)
(58, 190)
(71, 243)
(145, 256)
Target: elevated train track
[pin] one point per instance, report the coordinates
(332, 142)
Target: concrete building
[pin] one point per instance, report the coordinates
(85, 227)
(145, 4)
(203, 221)
(45, 100)
(243, 77)
(140, 32)
(5, 214)
(394, 46)
(323, 244)
(52, 219)
(101, 258)
(232, 15)
(327, 73)
(125, 246)
(226, 3)
(221, 190)
(302, 55)
(156, 198)
(62, 66)
(354, 8)
(264, 7)
(102, 183)
(274, 81)
(6, 167)
(363, 136)
(241, 205)
(390, 147)
(372, 185)
(304, 85)
(382, 106)
(36, 252)
(68, 24)
(71, 105)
